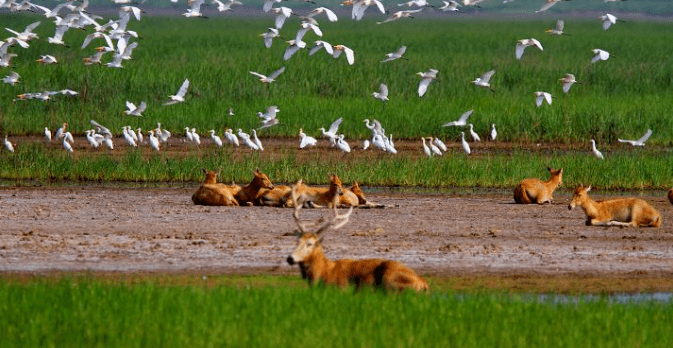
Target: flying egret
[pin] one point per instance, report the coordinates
(269, 36)
(57, 39)
(12, 78)
(282, 13)
(435, 150)
(47, 59)
(195, 9)
(400, 14)
(640, 142)
(449, 6)
(426, 78)
(567, 81)
(338, 49)
(154, 142)
(216, 139)
(595, 150)
(426, 149)
(548, 4)
(270, 78)
(523, 43)
(541, 97)
(494, 133)
(306, 25)
(6, 60)
(8, 145)
(318, 45)
(342, 144)
(101, 129)
(47, 134)
(558, 30)
(473, 134)
(27, 34)
(224, 7)
(331, 133)
(180, 96)
(320, 10)
(135, 110)
(360, 6)
(483, 81)
(440, 144)
(267, 4)
(382, 94)
(417, 3)
(294, 47)
(599, 54)
(462, 121)
(399, 54)
(608, 20)
(466, 146)
(306, 140)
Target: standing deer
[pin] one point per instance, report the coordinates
(537, 191)
(615, 212)
(316, 268)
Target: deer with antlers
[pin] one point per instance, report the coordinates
(317, 268)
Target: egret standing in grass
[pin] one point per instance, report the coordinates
(466, 146)
(494, 133)
(306, 140)
(8, 145)
(475, 136)
(595, 150)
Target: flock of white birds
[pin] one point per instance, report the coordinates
(119, 42)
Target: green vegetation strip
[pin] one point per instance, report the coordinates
(93, 313)
(642, 169)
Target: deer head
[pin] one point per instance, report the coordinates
(309, 242)
(579, 196)
(261, 180)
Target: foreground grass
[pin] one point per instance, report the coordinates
(93, 313)
(629, 168)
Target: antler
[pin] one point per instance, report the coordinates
(330, 223)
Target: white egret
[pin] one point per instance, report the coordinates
(66, 145)
(483, 81)
(139, 135)
(426, 78)
(462, 121)
(98, 35)
(343, 145)
(426, 149)
(6, 60)
(154, 142)
(231, 137)
(60, 130)
(93, 141)
(382, 94)
(541, 97)
(376, 127)
(68, 137)
(360, 6)
(473, 134)
(231, 111)
(224, 7)
(306, 25)
(294, 47)
(449, 6)
(8, 145)
(306, 140)
(320, 10)
(399, 54)
(400, 14)
(595, 150)
(466, 146)
(318, 45)
(640, 142)
(523, 43)
(379, 142)
(12, 78)
(268, 4)
(494, 133)
(101, 129)
(390, 146)
(47, 59)
(608, 20)
(548, 4)
(269, 36)
(350, 57)
(57, 39)
(108, 143)
(135, 110)
(567, 81)
(270, 78)
(180, 96)
(558, 29)
(257, 142)
(282, 13)
(216, 139)
(599, 54)
(127, 136)
(195, 9)
(27, 34)
(47, 134)
(440, 144)
(435, 150)
(331, 133)
(195, 137)
(246, 140)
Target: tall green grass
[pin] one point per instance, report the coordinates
(93, 313)
(621, 97)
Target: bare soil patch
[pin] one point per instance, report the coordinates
(466, 237)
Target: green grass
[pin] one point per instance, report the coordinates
(94, 313)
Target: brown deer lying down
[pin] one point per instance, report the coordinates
(279, 196)
(250, 193)
(213, 193)
(670, 195)
(316, 268)
(615, 212)
(537, 191)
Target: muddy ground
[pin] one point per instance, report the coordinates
(99, 228)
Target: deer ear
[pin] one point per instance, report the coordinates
(549, 169)
(204, 171)
(589, 188)
(258, 170)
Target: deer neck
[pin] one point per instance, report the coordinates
(316, 266)
(589, 206)
(250, 191)
(553, 182)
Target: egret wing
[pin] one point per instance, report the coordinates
(334, 127)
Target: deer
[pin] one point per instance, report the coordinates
(670, 195)
(320, 196)
(623, 212)
(537, 191)
(250, 194)
(316, 268)
(215, 194)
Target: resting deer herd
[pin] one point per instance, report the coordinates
(387, 274)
